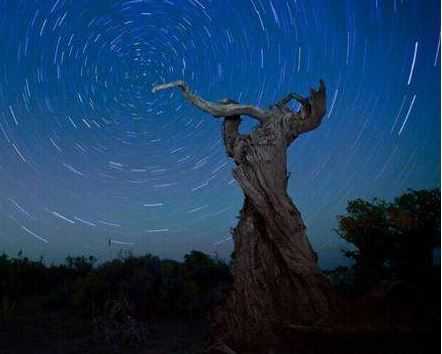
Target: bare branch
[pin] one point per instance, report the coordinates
(222, 109)
(312, 112)
(292, 96)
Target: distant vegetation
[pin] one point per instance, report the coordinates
(122, 303)
(149, 286)
(117, 303)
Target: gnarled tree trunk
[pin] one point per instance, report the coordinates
(276, 278)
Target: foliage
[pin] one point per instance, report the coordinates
(391, 241)
(152, 288)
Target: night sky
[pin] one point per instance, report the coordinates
(88, 154)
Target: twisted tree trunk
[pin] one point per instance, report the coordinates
(276, 278)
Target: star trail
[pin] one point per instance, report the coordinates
(91, 160)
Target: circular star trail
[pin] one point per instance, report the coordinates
(92, 162)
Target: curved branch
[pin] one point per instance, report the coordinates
(312, 112)
(292, 96)
(222, 109)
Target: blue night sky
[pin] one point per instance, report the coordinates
(88, 153)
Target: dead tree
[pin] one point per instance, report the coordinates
(276, 278)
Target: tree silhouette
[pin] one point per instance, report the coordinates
(276, 277)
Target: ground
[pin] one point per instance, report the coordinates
(57, 333)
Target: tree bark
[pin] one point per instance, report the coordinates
(276, 278)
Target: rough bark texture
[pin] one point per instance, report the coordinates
(276, 278)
